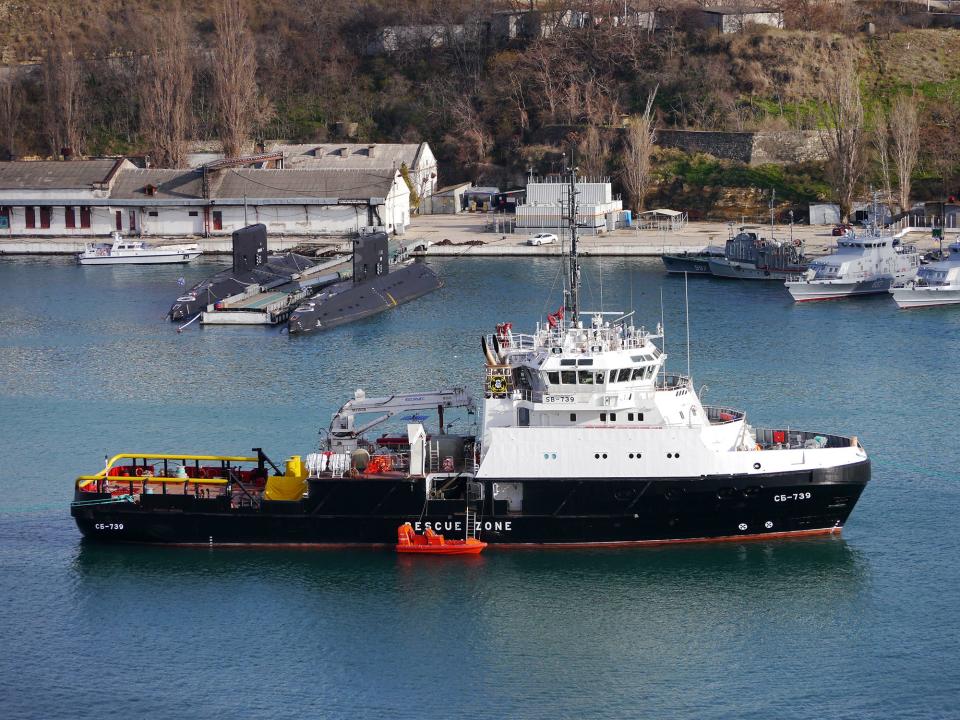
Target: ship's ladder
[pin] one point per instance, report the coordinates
(434, 458)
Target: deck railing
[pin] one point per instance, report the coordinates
(722, 415)
(673, 382)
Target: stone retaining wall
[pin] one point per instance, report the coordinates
(751, 148)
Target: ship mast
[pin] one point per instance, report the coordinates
(574, 275)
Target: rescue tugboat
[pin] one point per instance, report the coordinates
(584, 439)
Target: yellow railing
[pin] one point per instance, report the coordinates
(84, 480)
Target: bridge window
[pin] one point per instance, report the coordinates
(638, 373)
(624, 375)
(603, 417)
(573, 417)
(553, 377)
(613, 417)
(586, 377)
(568, 377)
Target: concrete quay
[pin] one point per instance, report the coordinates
(461, 230)
(466, 228)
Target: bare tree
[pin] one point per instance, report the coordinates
(844, 136)
(165, 87)
(474, 141)
(234, 68)
(11, 99)
(905, 131)
(593, 152)
(62, 85)
(638, 145)
(881, 146)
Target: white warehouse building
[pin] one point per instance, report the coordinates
(546, 206)
(96, 197)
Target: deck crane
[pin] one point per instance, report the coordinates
(344, 434)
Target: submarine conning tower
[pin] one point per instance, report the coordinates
(249, 247)
(370, 257)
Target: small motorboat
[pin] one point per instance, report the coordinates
(121, 251)
(430, 543)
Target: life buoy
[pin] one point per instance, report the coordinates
(497, 385)
(139, 472)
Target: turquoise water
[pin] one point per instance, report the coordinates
(859, 627)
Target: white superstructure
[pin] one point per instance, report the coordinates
(595, 402)
(935, 284)
(862, 265)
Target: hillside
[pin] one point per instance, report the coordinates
(482, 103)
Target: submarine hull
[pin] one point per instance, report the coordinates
(348, 302)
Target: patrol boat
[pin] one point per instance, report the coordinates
(584, 439)
(862, 265)
(748, 256)
(936, 284)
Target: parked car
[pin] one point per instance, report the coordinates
(542, 239)
(841, 229)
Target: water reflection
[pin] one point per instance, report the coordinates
(825, 568)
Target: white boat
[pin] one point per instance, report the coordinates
(862, 265)
(135, 252)
(936, 284)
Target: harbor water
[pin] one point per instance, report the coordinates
(860, 626)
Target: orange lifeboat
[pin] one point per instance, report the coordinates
(430, 543)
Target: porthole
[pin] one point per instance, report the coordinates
(639, 456)
(676, 455)
(630, 456)
(756, 466)
(669, 455)
(596, 456)
(604, 456)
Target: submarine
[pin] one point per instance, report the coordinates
(251, 266)
(379, 283)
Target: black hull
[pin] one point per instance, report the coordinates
(276, 269)
(561, 512)
(694, 263)
(349, 302)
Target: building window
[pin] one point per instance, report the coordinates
(69, 219)
(193, 213)
(613, 417)
(4, 218)
(119, 216)
(217, 220)
(152, 213)
(30, 217)
(133, 221)
(84, 217)
(45, 218)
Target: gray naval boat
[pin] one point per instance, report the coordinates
(379, 282)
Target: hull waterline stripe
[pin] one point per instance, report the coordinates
(505, 546)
